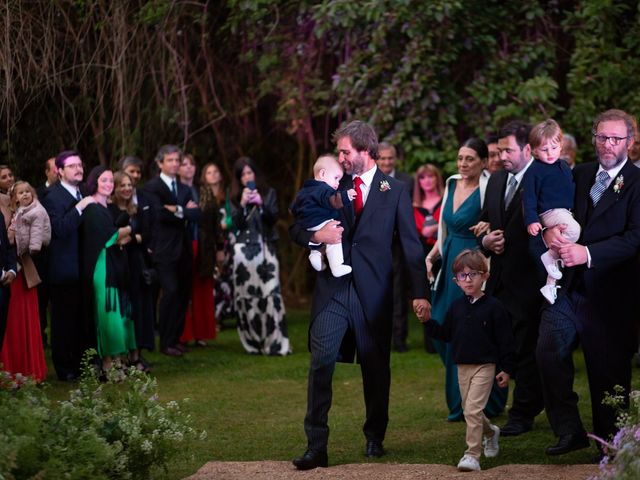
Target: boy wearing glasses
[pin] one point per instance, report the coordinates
(479, 329)
(547, 199)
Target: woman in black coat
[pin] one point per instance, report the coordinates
(258, 299)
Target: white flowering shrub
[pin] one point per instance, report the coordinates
(622, 453)
(113, 430)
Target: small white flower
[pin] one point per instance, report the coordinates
(384, 186)
(619, 184)
(146, 446)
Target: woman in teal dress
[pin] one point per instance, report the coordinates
(104, 272)
(462, 202)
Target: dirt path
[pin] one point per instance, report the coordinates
(383, 471)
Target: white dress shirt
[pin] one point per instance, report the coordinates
(367, 179)
(73, 191)
(518, 176)
(168, 182)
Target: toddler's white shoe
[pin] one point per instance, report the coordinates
(340, 270)
(551, 265)
(550, 292)
(468, 464)
(491, 445)
(316, 260)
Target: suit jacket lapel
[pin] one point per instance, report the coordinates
(168, 194)
(346, 184)
(609, 197)
(501, 186)
(583, 187)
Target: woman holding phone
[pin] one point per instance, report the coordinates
(257, 297)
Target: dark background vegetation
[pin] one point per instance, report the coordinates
(273, 79)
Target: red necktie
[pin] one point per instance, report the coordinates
(358, 201)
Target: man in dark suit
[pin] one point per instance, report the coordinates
(8, 271)
(599, 298)
(387, 157)
(170, 246)
(64, 204)
(515, 277)
(353, 312)
(51, 175)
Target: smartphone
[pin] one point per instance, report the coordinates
(251, 185)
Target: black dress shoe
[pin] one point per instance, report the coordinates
(311, 459)
(171, 352)
(568, 443)
(515, 428)
(374, 449)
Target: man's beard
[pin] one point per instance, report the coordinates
(610, 163)
(519, 166)
(357, 165)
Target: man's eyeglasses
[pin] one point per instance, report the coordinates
(614, 141)
(73, 165)
(462, 276)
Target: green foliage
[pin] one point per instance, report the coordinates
(154, 12)
(428, 74)
(23, 413)
(603, 63)
(115, 430)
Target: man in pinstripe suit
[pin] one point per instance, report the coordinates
(351, 314)
(599, 297)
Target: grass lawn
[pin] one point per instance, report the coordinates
(252, 407)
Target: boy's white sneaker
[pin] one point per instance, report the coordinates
(551, 265)
(316, 260)
(491, 445)
(468, 464)
(550, 292)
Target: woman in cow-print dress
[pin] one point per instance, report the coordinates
(256, 276)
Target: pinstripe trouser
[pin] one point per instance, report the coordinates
(572, 319)
(344, 312)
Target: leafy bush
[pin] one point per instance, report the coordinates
(622, 453)
(112, 430)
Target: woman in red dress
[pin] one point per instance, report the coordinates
(30, 230)
(427, 199)
(200, 322)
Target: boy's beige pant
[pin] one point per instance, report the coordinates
(475, 383)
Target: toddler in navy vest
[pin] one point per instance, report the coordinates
(317, 203)
(547, 198)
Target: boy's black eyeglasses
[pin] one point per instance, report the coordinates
(462, 276)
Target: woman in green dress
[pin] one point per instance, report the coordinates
(104, 270)
(461, 204)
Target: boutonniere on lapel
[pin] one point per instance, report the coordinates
(618, 184)
(384, 186)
